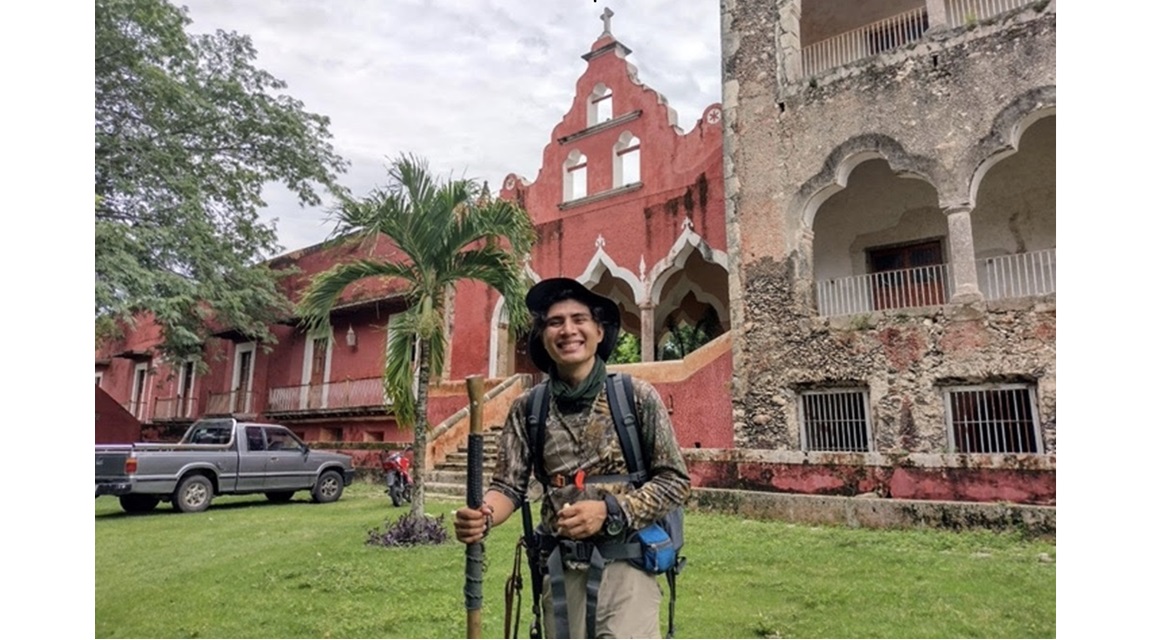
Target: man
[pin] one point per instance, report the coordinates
(573, 333)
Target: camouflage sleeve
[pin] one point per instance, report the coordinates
(669, 485)
(513, 464)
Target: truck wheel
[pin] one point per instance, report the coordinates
(396, 494)
(328, 487)
(138, 503)
(279, 496)
(193, 494)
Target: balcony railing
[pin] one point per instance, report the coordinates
(176, 408)
(899, 289)
(231, 402)
(1018, 275)
(865, 41)
(963, 12)
(137, 408)
(896, 31)
(345, 394)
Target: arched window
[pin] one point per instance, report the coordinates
(575, 176)
(626, 160)
(599, 105)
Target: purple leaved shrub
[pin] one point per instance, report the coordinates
(409, 530)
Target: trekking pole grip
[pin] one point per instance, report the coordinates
(474, 555)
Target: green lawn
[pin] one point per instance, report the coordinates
(250, 569)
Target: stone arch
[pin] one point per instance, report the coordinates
(690, 278)
(1013, 211)
(1003, 138)
(692, 308)
(841, 161)
(678, 255)
(607, 278)
(613, 286)
(500, 342)
(602, 263)
(872, 221)
(682, 290)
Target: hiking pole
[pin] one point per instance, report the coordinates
(474, 555)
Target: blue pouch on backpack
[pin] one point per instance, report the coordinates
(657, 553)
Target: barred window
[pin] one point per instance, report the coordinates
(835, 420)
(992, 419)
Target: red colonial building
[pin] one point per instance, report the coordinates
(625, 201)
(890, 292)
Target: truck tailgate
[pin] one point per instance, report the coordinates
(110, 462)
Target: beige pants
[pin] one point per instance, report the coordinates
(628, 605)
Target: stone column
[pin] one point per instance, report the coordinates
(647, 337)
(962, 255)
(937, 16)
(791, 67)
(805, 275)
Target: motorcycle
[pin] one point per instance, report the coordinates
(397, 477)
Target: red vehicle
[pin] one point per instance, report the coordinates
(397, 477)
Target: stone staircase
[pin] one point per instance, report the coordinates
(449, 480)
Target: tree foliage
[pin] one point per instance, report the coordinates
(627, 349)
(188, 131)
(450, 231)
(683, 338)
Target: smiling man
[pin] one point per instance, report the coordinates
(591, 505)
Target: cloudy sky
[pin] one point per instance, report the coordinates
(475, 86)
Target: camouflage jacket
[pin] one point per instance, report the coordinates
(587, 440)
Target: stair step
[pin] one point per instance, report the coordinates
(463, 452)
(461, 460)
(443, 489)
(454, 476)
(449, 480)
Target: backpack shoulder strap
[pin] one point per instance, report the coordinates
(537, 417)
(622, 402)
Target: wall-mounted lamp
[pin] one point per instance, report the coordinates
(350, 337)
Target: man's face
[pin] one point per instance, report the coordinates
(571, 335)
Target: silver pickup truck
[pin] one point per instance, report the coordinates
(216, 457)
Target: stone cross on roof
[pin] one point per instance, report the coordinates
(607, 18)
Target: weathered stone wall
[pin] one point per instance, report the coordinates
(903, 357)
(1019, 479)
(1031, 520)
(941, 110)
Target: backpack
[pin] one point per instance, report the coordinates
(660, 541)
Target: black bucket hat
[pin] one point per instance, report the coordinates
(544, 294)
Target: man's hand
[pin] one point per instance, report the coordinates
(472, 524)
(581, 520)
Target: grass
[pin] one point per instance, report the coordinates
(247, 568)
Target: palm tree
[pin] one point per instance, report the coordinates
(449, 231)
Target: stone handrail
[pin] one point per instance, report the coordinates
(452, 433)
(677, 370)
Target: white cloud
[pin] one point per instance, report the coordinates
(475, 86)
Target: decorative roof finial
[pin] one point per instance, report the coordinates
(607, 18)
